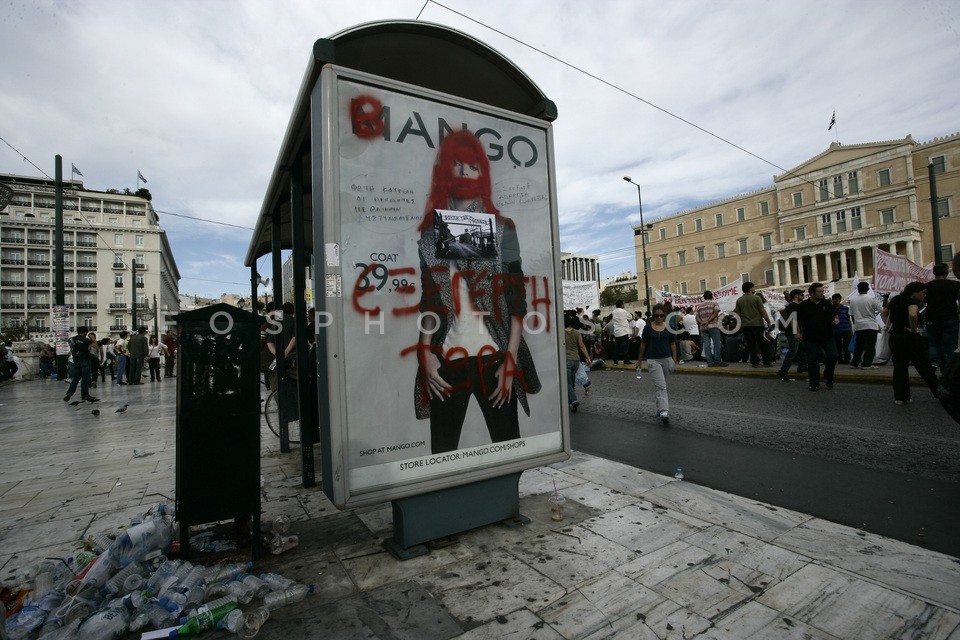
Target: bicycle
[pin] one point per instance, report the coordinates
(271, 413)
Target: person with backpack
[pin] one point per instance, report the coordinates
(81, 366)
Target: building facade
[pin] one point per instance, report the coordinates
(105, 235)
(580, 268)
(822, 221)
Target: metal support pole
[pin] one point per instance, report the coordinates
(307, 470)
(643, 245)
(281, 340)
(133, 306)
(156, 318)
(59, 295)
(934, 214)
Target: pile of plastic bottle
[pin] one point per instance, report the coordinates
(127, 584)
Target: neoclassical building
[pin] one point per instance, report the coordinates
(581, 268)
(822, 221)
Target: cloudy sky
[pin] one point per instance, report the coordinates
(197, 95)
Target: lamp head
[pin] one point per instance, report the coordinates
(627, 179)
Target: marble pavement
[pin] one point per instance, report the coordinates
(637, 556)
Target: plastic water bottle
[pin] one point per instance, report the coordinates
(639, 377)
(679, 473)
(95, 574)
(281, 524)
(245, 625)
(260, 588)
(224, 573)
(204, 620)
(162, 574)
(115, 584)
(151, 537)
(279, 544)
(277, 599)
(276, 582)
(242, 591)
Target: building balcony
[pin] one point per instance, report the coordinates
(42, 284)
(86, 243)
(118, 327)
(86, 305)
(118, 285)
(39, 328)
(12, 239)
(11, 283)
(38, 305)
(38, 263)
(87, 285)
(38, 240)
(11, 305)
(119, 265)
(141, 266)
(86, 265)
(11, 261)
(118, 305)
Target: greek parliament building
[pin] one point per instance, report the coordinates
(104, 234)
(822, 221)
(580, 268)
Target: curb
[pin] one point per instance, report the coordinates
(880, 378)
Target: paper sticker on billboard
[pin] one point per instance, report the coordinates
(450, 353)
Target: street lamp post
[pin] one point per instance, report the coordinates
(643, 244)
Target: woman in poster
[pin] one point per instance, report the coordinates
(473, 301)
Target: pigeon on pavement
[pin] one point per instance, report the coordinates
(95, 412)
(122, 409)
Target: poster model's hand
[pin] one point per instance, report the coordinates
(437, 386)
(504, 391)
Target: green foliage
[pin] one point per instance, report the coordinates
(610, 295)
(14, 334)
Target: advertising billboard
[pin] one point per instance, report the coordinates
(441, 293)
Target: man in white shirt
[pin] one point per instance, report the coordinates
(864, 307)
(621, 333)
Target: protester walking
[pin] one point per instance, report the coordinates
(907, 344)
(941, 317)
(864, 307)
(787, 324)
(753, 320)
(573, 347)
(658, 345)
(138, 354)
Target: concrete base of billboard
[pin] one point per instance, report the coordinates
(438, 514)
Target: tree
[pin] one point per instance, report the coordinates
(610, 295)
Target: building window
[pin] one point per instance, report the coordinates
(742, 245)
(681, 257)
(764, 208)
(768, 276)
(766, 241)
(745, 277)
(887, 216)
(943, 207)
(856, 220)
(118, 280)
(721, 250)
(853, 183)
(139, 259)
(663, 233)
(939, 164)
(723, 281)
(698, 224)
(118, 239)
(946, 253)
(88, 279)
(683, 287)
(798, 199)
(741, 214)
(719, 219)
(118, 298)
(841, 221)
(646, 264)
(679, 229)
(883, 177)
(663, 261)
(826, 224)
(666, 288)
(118, 321)
(837, 186)
(800, 233)
(139, 241)
(701, 254)
(822, 185)
(703, 285)
(139, 281)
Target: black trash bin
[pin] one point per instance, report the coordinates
(218, 420)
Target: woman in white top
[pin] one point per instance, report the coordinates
(154, 351)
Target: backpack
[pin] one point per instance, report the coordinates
(78, 349)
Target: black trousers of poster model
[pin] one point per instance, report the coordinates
(476, 378)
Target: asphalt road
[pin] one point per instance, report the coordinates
(848, 455)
